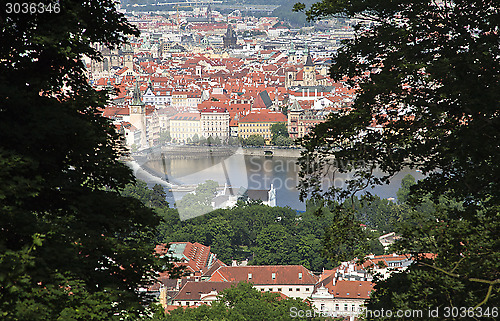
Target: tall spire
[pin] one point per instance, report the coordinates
(136, 97)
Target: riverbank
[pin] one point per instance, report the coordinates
(193, 152)
(278, 152)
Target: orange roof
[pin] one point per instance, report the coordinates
(263, 115)
(268, 274)
(351, 289)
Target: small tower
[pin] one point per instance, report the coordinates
(138, 115)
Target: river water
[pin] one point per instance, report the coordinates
(250, 172)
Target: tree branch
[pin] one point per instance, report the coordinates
(490, 282)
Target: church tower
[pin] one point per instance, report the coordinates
(128, 57)
(137, 111)
(309, 72)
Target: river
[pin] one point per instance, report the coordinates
(251, 172)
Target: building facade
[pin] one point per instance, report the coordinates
(184, 126)
(259, 122)
(215, 123)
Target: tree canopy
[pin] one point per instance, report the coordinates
(71, 247)
(427, 81)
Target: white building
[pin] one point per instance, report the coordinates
(215, 123)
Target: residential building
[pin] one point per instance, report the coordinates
(215, 123)
(198, 293)
(259, 122)
(157, 97)
(184, 126)
(294, 281)
(301, 121)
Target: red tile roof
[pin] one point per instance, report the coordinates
(263, 115)
(350, 289)
(283, 274)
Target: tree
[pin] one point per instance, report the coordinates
(283, 141)
(71, 247)
(275, 246)
(243, 302)
(406, 183)
(165, 136)
(278, 130)
(195, 139)
(255, 140)
(427, 72)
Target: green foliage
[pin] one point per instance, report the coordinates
(280, 136)
(254, 140)
(165, 136)
(242, 302)
(155, 197)
(435, 90)
(272, 235)
(199, 202)
(406, 183)
(71, 247)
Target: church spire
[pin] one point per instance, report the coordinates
(137, 97)
(309, 61)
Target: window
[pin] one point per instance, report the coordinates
(279, 289)
(307, 289)
(345, 307)
(353, 307)
(297, 289)
(300, 275)
(290, 289)
(274, 276)
(337, 307)
(270, 289)
(249, 276)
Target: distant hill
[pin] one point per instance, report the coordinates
(284, 12)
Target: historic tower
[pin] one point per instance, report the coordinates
(309, 72)
(138, 115)
(128, 57)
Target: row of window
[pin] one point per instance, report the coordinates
(184, 129)
(337, 307)
(255, 130)
(253, 125)
(280, 289)
(265, 136)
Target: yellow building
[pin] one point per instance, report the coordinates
(259, 122)
(184, 126)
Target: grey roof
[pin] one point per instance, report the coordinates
(258, 194)
(266, 99)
